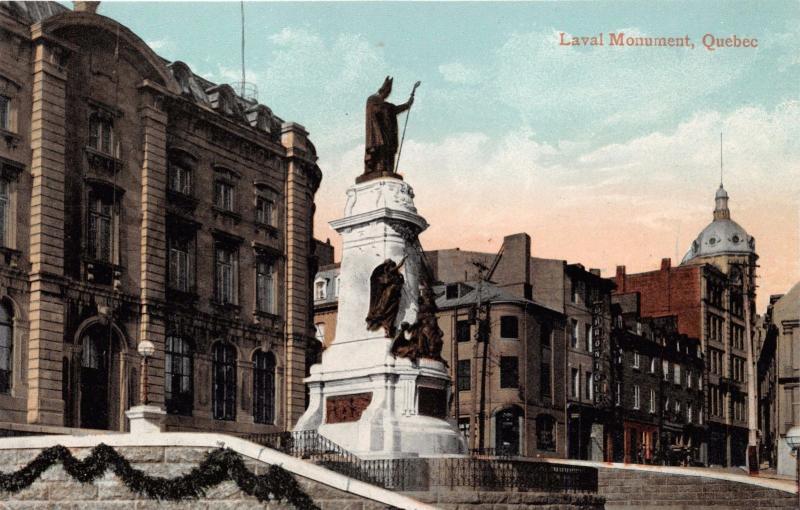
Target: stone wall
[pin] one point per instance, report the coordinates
(633, 488)
(57, 487)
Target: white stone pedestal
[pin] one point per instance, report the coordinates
(362, 397)
(146, 419)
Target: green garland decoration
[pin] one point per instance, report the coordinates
(218, 466)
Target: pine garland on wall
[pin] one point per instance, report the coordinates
(219, 465)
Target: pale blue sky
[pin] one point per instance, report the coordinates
(605, 155)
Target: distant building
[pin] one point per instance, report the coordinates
(520, 383)
(658, 374)
(712, 297)
(141, 201)
(779, 378)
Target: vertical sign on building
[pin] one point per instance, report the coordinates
(598, 333)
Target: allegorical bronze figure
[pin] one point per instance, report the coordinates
(381, 130)
(386, 287)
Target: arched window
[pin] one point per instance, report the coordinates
(545, 432)
(264, 387)
(178, 368)
(223, 372)
(6, 348)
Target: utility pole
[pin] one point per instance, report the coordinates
(752, 412)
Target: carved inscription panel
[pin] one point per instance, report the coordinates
(346, 408)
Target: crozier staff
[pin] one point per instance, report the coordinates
(381, 130)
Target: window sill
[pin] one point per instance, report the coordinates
(182, 201)
(226, 307)
(266, 315)
(102, 161)
(10, 257)
(100, 272)
(236, 217)
(182, 296)
(270, 230)
(12, 139)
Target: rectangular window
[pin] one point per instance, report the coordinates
(223, 195)
(576, 383)
(463, 427)
(462, 331)
(102, 223)
(320, 289)
(677, 374)
(636, 360)
(265, 287)
(180, 178)
(618, 395)
(464, 374)
(689, 414)
(574, 333)
(589, 389)
(665, 369)
(264, 211)
(181, 266)
(587, 337)
(319, 332)
(101, 135)
(653, 363)
(509, 327)
(5, 113)
(4, 211)
(652, 401)
(574, 291)
(545, 384)
(509, 372)
(226, 275)
(637, 397)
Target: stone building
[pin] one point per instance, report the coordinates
(142, 202)
(779, 379)
(658, 375)
(712, 296)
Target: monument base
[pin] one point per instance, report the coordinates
(393, 410)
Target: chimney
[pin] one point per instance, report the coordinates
(666, 264)
(619, 279)
(90, 7)
(595, 271)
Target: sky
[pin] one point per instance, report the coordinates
(605, 155)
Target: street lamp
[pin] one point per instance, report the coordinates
(146, 349)
(793, 441)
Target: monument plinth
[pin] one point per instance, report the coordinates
(382, 390)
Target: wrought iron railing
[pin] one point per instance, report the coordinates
(487, 471)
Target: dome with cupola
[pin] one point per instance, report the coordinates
(723, 236)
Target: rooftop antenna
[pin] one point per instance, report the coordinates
(247, 90)
(720, 159)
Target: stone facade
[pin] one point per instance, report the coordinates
(779, 379)
(145, 202)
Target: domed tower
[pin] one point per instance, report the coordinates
(723, 242)
(730, 318)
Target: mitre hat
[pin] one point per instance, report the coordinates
(387, 84)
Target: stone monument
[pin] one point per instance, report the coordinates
(382, 389)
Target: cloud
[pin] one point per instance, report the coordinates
(456, 72)
(630, 202)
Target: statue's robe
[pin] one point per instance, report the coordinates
(381, 129)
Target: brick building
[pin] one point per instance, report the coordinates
(712, 297)
(658, 379)
(140, 201)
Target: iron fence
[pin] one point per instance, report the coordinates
(488, 471)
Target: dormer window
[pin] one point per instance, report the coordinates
(338, 283)
(320, 289)
(101, 134)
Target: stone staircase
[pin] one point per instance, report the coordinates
(628, 489)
